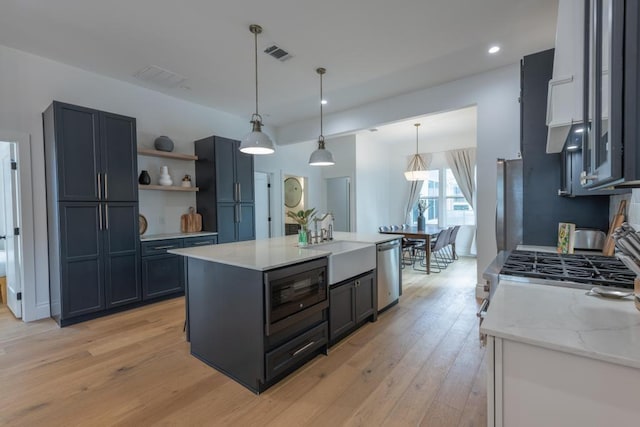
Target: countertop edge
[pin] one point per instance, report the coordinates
(168, 236)
(310, 257)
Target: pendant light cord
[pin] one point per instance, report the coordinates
(255, 39)
(321, 134)
(417, 125)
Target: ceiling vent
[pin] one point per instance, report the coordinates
(277, 52)
(160, 77)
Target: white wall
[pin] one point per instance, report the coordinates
(291, 160)
(344, 154)
(372, 175)
(29, 83)
(495, 94)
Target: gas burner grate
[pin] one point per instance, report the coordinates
(596, 270)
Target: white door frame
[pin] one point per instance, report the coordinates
(269, 199)
(30, 311)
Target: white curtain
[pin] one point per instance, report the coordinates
(462, 164)
(414, 190)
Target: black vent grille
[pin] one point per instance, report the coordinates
(277, 52)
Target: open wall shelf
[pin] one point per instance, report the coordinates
(165, 154)
(167, 188)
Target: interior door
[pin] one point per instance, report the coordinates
(339, 202)
(262, 204)
(13, 242)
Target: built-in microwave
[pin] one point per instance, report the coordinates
(294, 292)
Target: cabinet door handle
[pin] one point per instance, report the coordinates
(106, 186)
(106, 216)
(99, 186)
(239, 192)
(239, 213)
(164, 247)
(300, 350)
(100, 215)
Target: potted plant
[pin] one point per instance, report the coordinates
(302, 217)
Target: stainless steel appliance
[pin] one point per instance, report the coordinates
(389, 274)
(589, 238)
(293, 293)
(509, 204)
(553, 269)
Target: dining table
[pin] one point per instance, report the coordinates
(429, 231)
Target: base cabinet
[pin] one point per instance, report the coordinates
(530, 385)
(164, 273)
(350, 304)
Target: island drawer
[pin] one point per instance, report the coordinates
(159, 247)
(190, 242)
(288, 355)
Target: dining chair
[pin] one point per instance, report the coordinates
(452, 243)
(437, 261)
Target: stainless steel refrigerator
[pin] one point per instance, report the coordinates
(509, 204)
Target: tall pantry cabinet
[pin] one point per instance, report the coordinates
(92, 211)
(226, 197)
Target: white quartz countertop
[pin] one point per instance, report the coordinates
(365, 237)
(271, 253)
(176, 235)
(566, 320)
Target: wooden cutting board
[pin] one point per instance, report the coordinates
(191, 222)
(618, 219)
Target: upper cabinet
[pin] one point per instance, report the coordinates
(565, 91)
(611, 93)
(95, 154)
(226, 197)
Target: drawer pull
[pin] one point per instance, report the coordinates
(157, 248)
(201, 243)
(300, 350)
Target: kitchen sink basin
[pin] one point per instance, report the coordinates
(347, 259)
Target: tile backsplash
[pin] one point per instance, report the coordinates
(633, 207)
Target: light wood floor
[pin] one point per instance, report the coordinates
(419, 364)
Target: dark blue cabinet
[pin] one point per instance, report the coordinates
(164, 273)
(611, 150)
(227, 196)
(92, 211)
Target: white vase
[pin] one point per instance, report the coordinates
(165, 178)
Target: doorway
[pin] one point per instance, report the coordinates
(11, 265)
(339, 202)
(262, 183)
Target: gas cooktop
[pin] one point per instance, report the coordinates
(590, 270)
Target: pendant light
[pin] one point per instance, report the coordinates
(256, 142)
(322, 156)
(417, 169)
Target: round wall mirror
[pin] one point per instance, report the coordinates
(292, 192)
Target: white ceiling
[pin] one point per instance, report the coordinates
(437, 132)
(372, 49)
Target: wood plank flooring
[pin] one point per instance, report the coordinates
(419, 364)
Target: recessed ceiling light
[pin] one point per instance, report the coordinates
(494, 49)
(323, 102)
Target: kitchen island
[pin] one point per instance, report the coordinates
(557, 356)
(257, 310)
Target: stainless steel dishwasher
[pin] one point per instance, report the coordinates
(388, 271)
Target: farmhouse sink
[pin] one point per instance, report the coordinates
(347, 259)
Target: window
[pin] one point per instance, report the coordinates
(445, 204)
